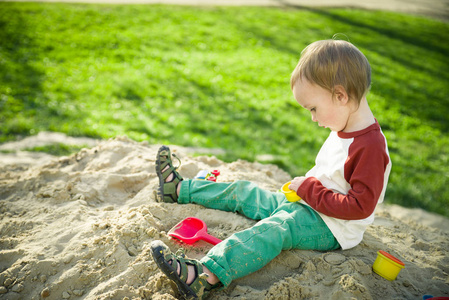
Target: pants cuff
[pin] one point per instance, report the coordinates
(184, 192)
(224, 277)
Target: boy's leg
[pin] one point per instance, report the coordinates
(240, 196)
(292, 225)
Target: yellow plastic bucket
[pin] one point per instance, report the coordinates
(289, 194)
(387, 266)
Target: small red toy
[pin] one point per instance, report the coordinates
(206, 175)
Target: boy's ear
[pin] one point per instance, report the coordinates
(340, 94)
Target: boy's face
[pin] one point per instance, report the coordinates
(330, 112)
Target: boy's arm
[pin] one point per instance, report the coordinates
(365, 173)
(352, 206)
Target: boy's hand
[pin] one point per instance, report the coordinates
(296, 183)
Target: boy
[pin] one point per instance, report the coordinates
(340, 192)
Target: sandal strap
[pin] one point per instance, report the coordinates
(184, 272)
(171, 170)
(179, 160)
(170, 190)
(199, 285)
(166, 159)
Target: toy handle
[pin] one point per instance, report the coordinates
(211, 239)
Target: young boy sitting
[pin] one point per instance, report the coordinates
(340, 192)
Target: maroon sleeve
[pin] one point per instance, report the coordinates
(364, 170)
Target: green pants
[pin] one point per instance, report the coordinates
(284, 225)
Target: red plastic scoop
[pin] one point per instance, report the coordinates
(191, 230)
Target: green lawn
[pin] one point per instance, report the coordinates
(219, 77)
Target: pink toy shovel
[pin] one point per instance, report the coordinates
(191, 230)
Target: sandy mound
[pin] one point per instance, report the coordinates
(79, 227)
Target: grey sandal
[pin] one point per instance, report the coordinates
(167, 190)
(166, 261)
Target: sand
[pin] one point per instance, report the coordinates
(79, 227)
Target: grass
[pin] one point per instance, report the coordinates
(219, 77)
(57, 149)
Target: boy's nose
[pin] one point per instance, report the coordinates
(314, 118)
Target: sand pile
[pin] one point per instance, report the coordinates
(79, 227)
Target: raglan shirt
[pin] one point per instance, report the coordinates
(347, 182)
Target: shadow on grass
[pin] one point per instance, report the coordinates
(27, 106)
(20, 81)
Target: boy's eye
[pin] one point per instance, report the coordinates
(313, 109)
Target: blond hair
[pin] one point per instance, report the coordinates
(329, 63)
